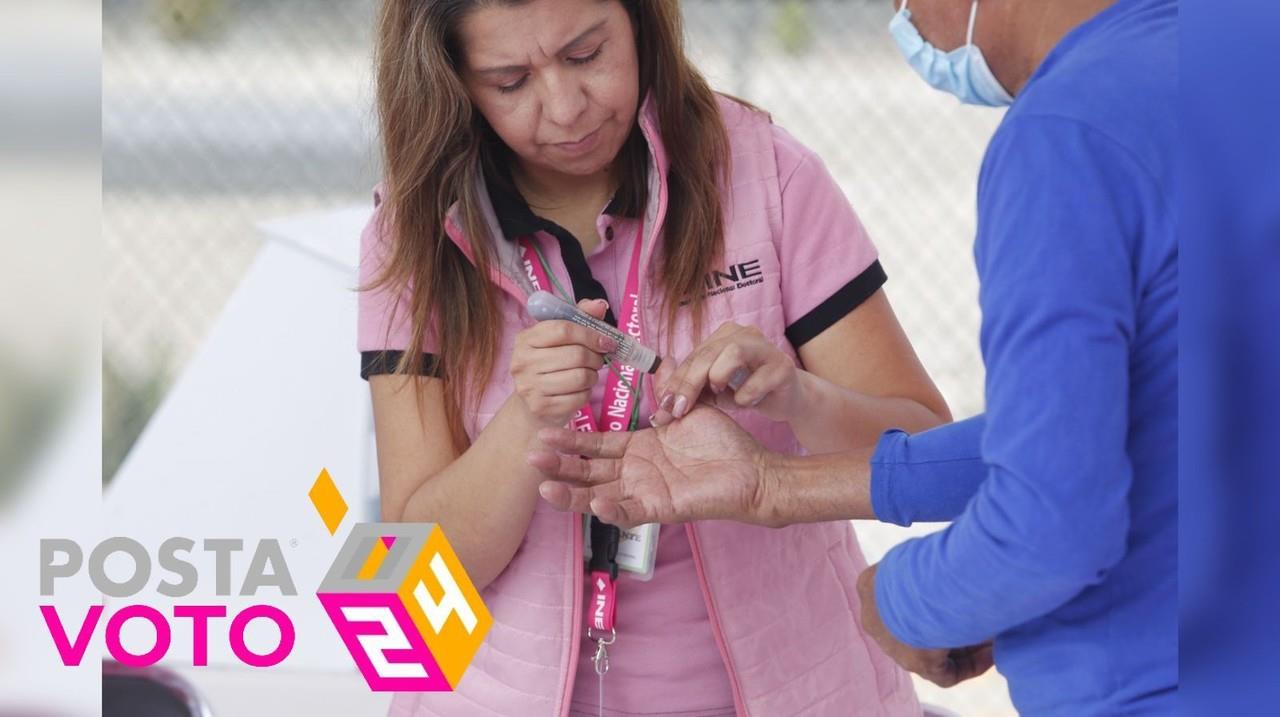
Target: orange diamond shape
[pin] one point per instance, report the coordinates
(328, 501)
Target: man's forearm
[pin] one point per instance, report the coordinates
(929, 476)
(811, 489)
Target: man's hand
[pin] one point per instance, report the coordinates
(704, 467)
(942, 666)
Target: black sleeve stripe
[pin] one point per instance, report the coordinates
(379, 363)
(846, 299)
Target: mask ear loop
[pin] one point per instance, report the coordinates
(903, 6)
(973, 16)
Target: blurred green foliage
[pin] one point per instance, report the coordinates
(186, 20)
(791, 26)
(129, 398)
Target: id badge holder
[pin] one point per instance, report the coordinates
(637, 548)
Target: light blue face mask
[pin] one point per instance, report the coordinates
(962, 72)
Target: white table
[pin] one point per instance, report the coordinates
(271, 398)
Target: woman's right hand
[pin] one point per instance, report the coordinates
(555, 364)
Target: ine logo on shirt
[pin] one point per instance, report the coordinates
(401, 601)
(737, 276)
(734, 277)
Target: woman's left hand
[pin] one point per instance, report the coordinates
(738, 368)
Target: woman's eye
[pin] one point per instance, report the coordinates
(506, 89)
(586, 59)
(513, 86)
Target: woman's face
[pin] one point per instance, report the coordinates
(558, 80)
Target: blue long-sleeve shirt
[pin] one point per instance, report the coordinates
(1064, 494)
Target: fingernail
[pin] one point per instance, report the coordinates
(757, 402)
(738, 378)
(667, 402)
(681, 407)
(608, 345)
(544, 490)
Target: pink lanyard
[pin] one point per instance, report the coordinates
(619, 412)
(619, 409)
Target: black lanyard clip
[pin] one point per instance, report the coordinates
(604, 547)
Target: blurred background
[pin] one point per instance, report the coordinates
(50, 200)
(220, 115)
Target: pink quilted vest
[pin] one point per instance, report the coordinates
(783, 602)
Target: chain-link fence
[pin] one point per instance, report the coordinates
(218, 114)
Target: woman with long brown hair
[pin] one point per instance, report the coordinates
(570, 146)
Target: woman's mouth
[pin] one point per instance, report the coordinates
(580, 146)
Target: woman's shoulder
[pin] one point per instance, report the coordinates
(375, 238)
(743, 120)
(753, 131)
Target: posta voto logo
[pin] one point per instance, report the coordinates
(400, 600)
(397, 594)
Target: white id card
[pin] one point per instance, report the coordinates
(637, 548)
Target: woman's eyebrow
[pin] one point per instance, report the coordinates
(511, 69)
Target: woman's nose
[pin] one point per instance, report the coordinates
(564, 100)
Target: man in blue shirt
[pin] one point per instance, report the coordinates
(1064, 493)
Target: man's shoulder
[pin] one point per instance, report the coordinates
(1117, 76)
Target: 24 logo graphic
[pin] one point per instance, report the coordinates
(400, 600)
